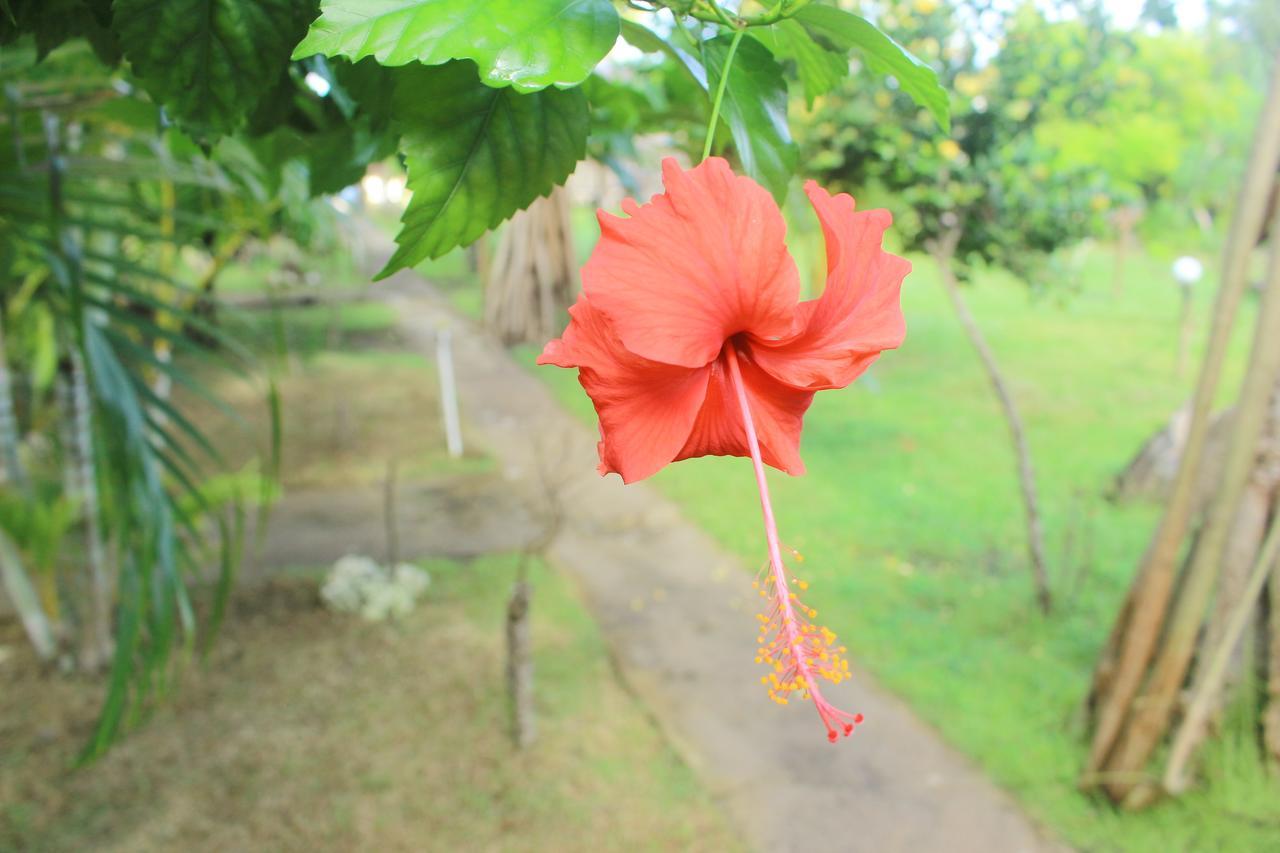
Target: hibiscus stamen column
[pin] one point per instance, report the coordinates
(799, 651)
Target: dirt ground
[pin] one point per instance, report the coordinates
(310, 731)
(307, 730)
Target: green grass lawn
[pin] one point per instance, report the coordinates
(911, 525)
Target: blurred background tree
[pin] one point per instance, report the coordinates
(988, 195)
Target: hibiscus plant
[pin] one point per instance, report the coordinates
(489, 104)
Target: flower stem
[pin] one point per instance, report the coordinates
(720, 87)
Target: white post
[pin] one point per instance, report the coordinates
(448, 391)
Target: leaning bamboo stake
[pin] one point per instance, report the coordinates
(1152, 711)
(1137, 629)
(1248, 530)
(1195, 722)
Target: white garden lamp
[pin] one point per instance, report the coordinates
(1186, 272)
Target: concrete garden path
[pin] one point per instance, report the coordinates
(677, 612)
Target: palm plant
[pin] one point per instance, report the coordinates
(97, 196)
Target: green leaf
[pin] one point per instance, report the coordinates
(820, 70)
(526, 44)
(476, 155)
(210, 61)
(53, 22)
(335, 157)
(755, 109)
(883, 55)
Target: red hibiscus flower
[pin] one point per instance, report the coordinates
(690, 339)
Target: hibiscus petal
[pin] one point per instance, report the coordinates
(646, 409)
(696, 265)
(858, 314)
(777, 411)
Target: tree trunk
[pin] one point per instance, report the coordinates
(1151, 473)
(390, 516)
(1133, 638)
(1151, 711)
(81, 488)
(524, 723)
(1125, 219)
(532, 278)
(479, 258)
(10, 437)
(1271, 710)
(26, 601)
(17, 583)
(1026, 473)
(205, 304)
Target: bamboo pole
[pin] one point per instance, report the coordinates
(1195, 722)
(1133, 638)
(1151, 713)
